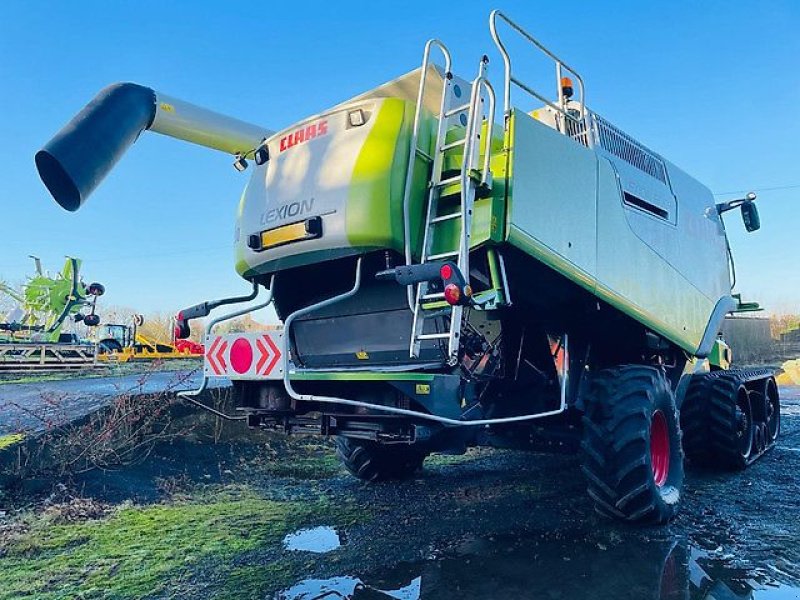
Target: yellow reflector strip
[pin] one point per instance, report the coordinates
(284, 235)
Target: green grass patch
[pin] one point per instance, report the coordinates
(316, 466)
(144, 550)
(443, 460)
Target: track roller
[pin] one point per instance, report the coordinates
(730, 418)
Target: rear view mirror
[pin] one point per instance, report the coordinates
(752, 221)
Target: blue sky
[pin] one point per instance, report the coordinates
(713, 86)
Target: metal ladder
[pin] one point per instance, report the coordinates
(467, 184)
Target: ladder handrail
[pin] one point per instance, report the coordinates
(472, 136)
(412, 153)
(479, 82)
(469, 188)
(560, 67)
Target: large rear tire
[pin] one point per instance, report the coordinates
(632, 455)
(371, 461)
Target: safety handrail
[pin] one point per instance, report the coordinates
(477, 84)
(480, 83)
(413, 149)
(560, 65)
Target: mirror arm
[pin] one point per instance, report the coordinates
(723, 207)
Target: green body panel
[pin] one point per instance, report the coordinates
(565, 209)
(488, 216)
(375, 200)
(720, 356)
(242, 268)
(544, 254)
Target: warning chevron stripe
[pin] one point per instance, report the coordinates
(210, 355)
(269, 352)
(276, 355)
(220, 355)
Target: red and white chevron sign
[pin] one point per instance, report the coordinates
(255, 355)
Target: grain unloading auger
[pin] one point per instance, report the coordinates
(447, 277)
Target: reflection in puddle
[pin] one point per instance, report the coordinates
(317, 539)
(563, 568)
(350, 588)
(713, 578)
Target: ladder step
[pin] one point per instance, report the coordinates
(442, 255)
(456, 110)
(455, 215)
(449, 181)
(434, 296)
(452, 145)
(433, 336)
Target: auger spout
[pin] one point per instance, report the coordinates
(74, 162)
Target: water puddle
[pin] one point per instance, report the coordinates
(350, 588)
(316, 539)
(555, 566)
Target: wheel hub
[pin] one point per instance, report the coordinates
(743, 416)
(659, 448)
(742, 423)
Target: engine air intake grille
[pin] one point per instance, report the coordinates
(622, 145)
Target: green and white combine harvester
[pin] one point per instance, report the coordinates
(32, 333)
(452, 269)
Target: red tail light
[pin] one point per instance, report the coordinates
(452, 293)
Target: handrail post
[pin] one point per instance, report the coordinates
(412, 152)
(506, 61)
(561, 66)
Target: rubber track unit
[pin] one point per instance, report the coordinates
(616, 445)
(370, 461)
(708, 416)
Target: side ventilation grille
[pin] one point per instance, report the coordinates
(620, 144)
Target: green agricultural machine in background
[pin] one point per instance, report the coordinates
(32, 333)
(45, 304)
(454, 269)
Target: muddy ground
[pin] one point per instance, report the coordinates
(196, 519)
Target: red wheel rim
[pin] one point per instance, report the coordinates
(659, 448)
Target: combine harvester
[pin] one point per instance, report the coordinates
(32, 336)
(454, 270)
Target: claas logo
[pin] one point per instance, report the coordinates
(309, 132)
